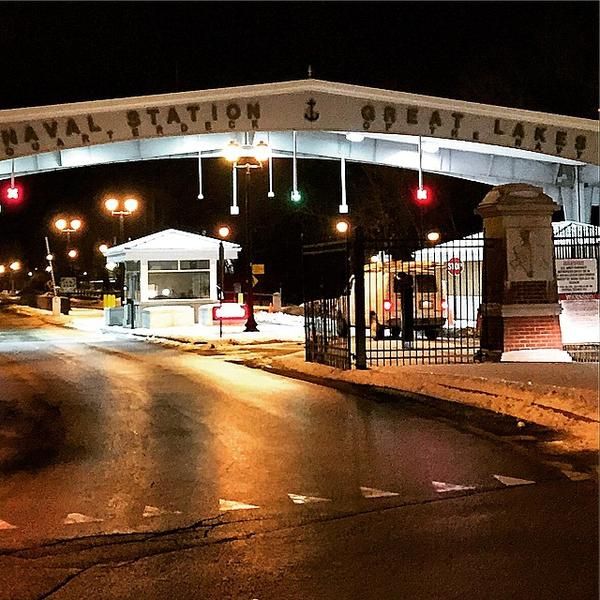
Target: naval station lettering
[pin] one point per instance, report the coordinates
(151, 121)
(158, 117)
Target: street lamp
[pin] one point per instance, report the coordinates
(14, 266)
(68, 226)
(248, 158)
(116, 209)
(342, 226)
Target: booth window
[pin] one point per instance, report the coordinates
(184, 279)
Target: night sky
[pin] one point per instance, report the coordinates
(538, 56)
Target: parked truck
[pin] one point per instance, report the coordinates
(402, 297)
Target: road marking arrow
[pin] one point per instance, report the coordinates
(368, 492)
(300, 499)
(509, 481)
(154, 511)
(5, 525)
(233, 505)
(441, 486)
(73, 518)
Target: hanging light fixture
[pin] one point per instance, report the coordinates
(295, 195)
(200, 193)
(343, 208)
(235, 209)
(270, 193)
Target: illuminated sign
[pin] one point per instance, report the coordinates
(229, 311)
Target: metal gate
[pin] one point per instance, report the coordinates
(422, 301)
(327, 304)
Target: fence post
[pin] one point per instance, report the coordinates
(360, 326)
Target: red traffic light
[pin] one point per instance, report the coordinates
(423, 195)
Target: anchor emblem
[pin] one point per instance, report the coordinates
(310, 114)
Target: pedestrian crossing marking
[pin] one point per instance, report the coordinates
(576, 475)
(301, 499)
(510, 481)
(233, 505)
(441, 486)
(368, 492)
(154, 511)
(74, 518)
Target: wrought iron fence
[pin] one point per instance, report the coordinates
(326, 304)
(422, 301)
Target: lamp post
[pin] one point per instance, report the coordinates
(248, 158)
(14, 267)
(121, 209)
(69, 226)
(224, 232)
(116, 209)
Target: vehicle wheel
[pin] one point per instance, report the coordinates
(395, 332)
(431, 334)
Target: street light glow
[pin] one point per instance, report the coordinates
(111, 204)
(49, 256)
(72, 253)
(224, 231)
(103, 248)
(262, 151)
(342, 226)
(15, 266)
(232, 151)
(131, 204)
(433, 236)
(75, 224)
(2, 269)
(60, 224)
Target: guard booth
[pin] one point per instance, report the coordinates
(170, 278)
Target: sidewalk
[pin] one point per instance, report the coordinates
(562, 396)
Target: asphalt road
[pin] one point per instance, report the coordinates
(128, 469)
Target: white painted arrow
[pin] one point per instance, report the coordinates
(73, 518)
(576, 475)
(154, 511)
(508, 481)
(300, 499)
(441, 486)
(368, 492)
(5, 525)
(233, 505)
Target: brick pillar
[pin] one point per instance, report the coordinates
(520, 308)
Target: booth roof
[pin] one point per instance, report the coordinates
(175, 241)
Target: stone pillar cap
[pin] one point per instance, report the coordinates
(516, 198)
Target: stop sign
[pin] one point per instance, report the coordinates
(455, 266)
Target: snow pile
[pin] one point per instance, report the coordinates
(571, 410)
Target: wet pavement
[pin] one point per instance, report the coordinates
(120, 438)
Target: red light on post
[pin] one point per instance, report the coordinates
(13, 193)
(423, 195)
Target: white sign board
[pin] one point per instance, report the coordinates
(68, 284)
(577, 275)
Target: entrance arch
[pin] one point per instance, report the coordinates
(484, 143)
